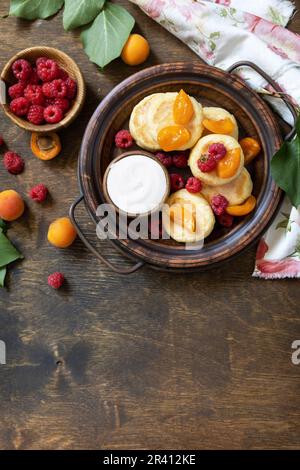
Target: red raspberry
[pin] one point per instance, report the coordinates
(53, 114)
(39, 193)
(21, 69)
(123, 139)
(56, 280)
(63, 74)
(19, 106)
(219, 204)
(206, 163)
(16, 90)
(193, 185)
(55, 89)
(176, 181)
(225, 219)
(41, 60)
(1, 141)
(47, 70)
(34, 78)
(62, 103)
(36, 114)
(180, 160)
(165, 159)
(34, 94)
(218, 151)
(72, 88)
(13, 163)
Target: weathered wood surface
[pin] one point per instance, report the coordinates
(148, 361)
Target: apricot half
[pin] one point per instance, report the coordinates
(222, 126)
(173, 137)
(242, 209)
(11, 205)
(229, 165)
(183, 109)
(250, 147)
(136, 50)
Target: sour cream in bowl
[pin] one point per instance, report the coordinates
(136, 183)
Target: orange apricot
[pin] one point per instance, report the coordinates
(61, 232)
(136, 50)
(45, 146)
(229, 165)
(173, 137)
(222, 126)
(242, 209)
(11, 205)
(183, 109)
(250, 147)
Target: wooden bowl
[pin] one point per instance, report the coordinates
(124, 155)
(66, 63)
(212, 87)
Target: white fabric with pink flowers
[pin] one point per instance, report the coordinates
(222, 32)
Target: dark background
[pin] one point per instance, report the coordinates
(153, 360)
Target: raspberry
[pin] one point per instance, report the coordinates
(55, 89)
(193, 185)
(13, 163)
(19, 106)
(17, 90)
(53, 114)
(47, 70)
(225, 219)
(206, 163)
(34, 94)
(72, 88)
(34, 79)
(56, 280)
(38, 193)
(36, 114)
(41, 60)
(165, 159)
(218, 151)
(180, 160)
(176, 181)
(1, 141)
(21, 69)
(62, 103)
(63, 74)
(219, 204)
(123, 139)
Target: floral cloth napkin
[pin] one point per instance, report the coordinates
(222, 32)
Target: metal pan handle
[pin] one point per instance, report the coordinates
(276, 87)
(81, 235)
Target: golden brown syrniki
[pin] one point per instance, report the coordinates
(211, 178)
(188, 217)
(236, 192)
(215, 114)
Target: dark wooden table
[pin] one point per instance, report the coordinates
(149, 361)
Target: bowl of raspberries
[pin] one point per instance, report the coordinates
(44, 89)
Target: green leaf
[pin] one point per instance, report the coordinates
(285, 167)
(34, 9)
(215, 35)
(103, 41)
(3, 225)
(8, 253)
(80, 12)
(2, 276)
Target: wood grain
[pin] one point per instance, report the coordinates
(149, 361)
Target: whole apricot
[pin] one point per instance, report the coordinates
(11, 205)
(136, 50)
(61, 232)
